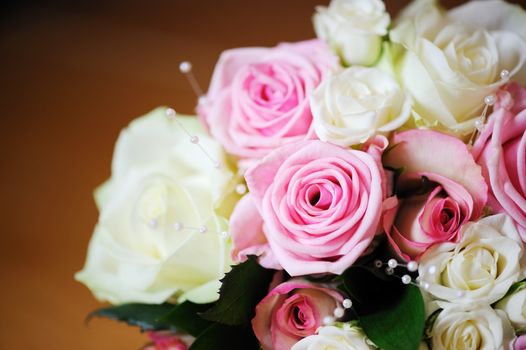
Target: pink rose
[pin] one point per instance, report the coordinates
(320, 204)
(291, 311)
(165, 341)
(258, 97)
(440, 189)
(520, 343)
(501, 151)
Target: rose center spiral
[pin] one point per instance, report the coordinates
(319, 196)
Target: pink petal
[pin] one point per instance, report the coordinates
(427, 151)
(246, 229)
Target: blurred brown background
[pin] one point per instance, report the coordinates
(72, 75)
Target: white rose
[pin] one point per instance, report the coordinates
(514, 305)
(356, 103)
(481, 329)
(353, 28)
(449, 66)
(147, 246)
(494, 15)
(479, 269)
(331, 337)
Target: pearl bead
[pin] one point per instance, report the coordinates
(194, 139)
(241, 189)
(202, 229)
(479, 124)
(389, 271)
(178, 226)
(425, 285)
(432, 269)
(347, 303)
(185, 67)
(201, 100)
(170, 112)
(412, 266)
(406, 279)
(504, 74)
(152, 223)
(392, 263)
(224, 234)
(339, 312)
(217, 165)
(460, 293)
(489, 100)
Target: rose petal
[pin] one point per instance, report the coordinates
(426, 151)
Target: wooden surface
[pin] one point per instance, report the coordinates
(72, 77)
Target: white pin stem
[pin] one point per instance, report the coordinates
(170, 113)
(186, 68)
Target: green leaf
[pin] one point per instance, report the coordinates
(400, 326)
(185, 316)
(242, 288)
(390, 313)
(221, 337)
(146, 316)
(515, 288)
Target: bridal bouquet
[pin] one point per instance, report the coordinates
(362, 190)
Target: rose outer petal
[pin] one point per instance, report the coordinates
(427, 151)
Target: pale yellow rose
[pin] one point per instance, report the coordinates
(147, 246)
(356, 103)
(482, 328)
(353, 28)
(479, 269)
(449, 65)
(514, 305)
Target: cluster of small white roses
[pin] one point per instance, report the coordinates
(467, 286)
(432, 68)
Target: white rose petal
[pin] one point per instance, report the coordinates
(147, 245)
(356, 103)
(449, 66)
(479, 269)
(332, 337)
(354, 28)
(514, 306)
(482, 329)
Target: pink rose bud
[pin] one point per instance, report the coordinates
(258, 97)
(292, 311)
(440, 189)
(501, 151)
(165, 341)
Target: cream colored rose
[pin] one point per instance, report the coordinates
(158, 235)
(356, 103)
(353, 28)
(344, 337)
(494, 15)
(514, 305)
(479, 269)
(481, 329)
(449, 66)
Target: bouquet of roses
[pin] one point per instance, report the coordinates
(363, 190)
